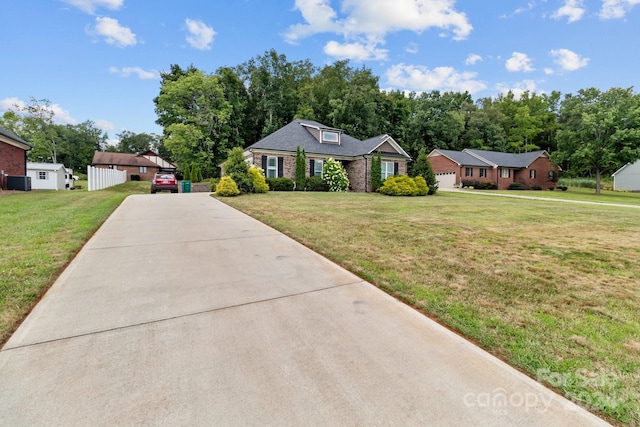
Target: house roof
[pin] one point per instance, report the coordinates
(13, 139)
(508, 160)
(296, 133)
(123, 159)
(462, 158)
(45, 166)
(637, 162)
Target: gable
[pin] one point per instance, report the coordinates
(10, 138)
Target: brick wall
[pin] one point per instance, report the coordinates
(541, 166)
(13, 160)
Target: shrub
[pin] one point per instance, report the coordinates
(258, 182)
(213, 182)
(423, 188)
(515, 186)
(236, 167)
(135, 177)
(335, 176)
(227, 187)
(315, 183)
(536, 188)
(400, 185)
(280, 184)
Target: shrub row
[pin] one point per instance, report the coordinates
(480, 185)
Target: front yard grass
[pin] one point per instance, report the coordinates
(551, 288)
(40, 232)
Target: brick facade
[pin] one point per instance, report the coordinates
(13, 160)
(134, 170)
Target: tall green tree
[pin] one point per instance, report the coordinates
(600, 131)
(301, 169)
(376, 172)
(78, 143)
(131, 142)
(422, 167)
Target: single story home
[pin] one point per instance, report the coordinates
(457, 168)
(627, 177)
(13, 156)
(47, 176)
(145, 165)
(276, 153)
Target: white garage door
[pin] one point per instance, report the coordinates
(446, 180)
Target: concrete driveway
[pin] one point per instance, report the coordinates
(183, 311)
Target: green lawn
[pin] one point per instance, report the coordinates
(552, 288)
(40, 232)
(576, 193)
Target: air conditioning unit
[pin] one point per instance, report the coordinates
(20, 183)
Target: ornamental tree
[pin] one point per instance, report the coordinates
(335, 175)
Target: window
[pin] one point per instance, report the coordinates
(483, 172)
(318, 166)
(113, 167)
(330, 136)
(272, 167)
(505, 173)
(42, 175)
(388, 169)
(532, 173)
(468, 171)
(143, 169)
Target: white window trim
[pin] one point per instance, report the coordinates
(273, 168)
(505, 173)
(334, 139)
(384, 166)
(532, 174)
(43, 175)
(315, 167)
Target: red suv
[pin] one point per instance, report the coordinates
(164, 181)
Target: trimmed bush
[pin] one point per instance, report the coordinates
(257, 180)
(213, 182)
(280, 184)
(315, 183)
(135, 177)
(400, 185)
(515, 186)
(227, 187)
(423, 188)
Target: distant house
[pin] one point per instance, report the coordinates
(457, 168)
(276, 153)
(13, 156)
(627, 177)
(145, 165)
(47, 176)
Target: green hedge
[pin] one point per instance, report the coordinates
(280, 184)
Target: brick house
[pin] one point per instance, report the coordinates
(276, 153)
(144, 164)
(13, 156)
(531, 170)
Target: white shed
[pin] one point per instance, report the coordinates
(627, 177)
(47, 176)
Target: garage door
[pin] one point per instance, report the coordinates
(446, 180)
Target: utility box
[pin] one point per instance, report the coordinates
(18, 182)
(186, 186)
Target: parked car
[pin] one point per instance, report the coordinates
(164, 181)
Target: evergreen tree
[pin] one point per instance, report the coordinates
(301, 160)
(376, 172)
(236, 167)
(422, 167)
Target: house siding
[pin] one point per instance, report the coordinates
(13, 160)
(359, 175)
(542, 166)
(628, 178)
(442, 164)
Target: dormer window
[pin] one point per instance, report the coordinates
(330, 137)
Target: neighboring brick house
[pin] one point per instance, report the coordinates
(13, 156)
(276, 153)
(531, 170)
(144, 164)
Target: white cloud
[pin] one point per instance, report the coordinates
(572, 9)
(372, 20)
(616, 8)
(105, 125)
(200, 35)
(128, 71)
(419, 78)
(473, 59)
(90, 6)
(356, 51)
(12, 104)
(568, 60)
(519, 62)
(519, 88)
(412, 48)
(114, 33)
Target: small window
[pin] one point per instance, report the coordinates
(42, 175)
(505, 173)
(483, 172)
(272, 167)
(318, 166)
(113, 167)
(532, 173)
(387, 169)
(468, 171)
(143, 169)
(330, 136)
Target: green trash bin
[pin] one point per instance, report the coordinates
(186, 186)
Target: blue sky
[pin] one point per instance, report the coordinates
(100, 60)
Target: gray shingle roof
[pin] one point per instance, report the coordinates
(508, 160)
(463, 159)
(7, 133)
(296, 133)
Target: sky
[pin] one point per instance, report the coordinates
(101, 60)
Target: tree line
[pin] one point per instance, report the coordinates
(204, 115)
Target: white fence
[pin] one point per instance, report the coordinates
(102, 178)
